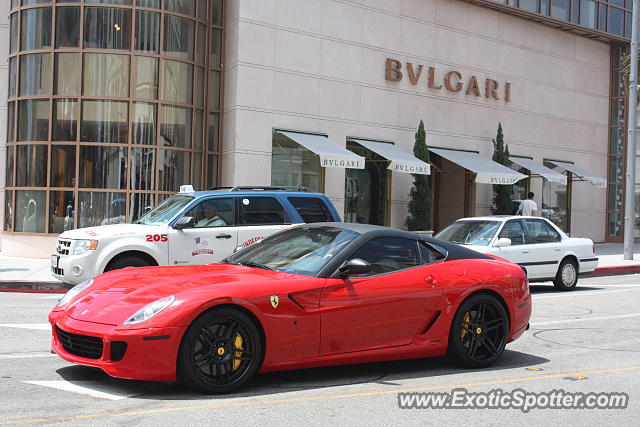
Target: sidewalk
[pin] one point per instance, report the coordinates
(33, 275)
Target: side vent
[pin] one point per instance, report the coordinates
(432, 321)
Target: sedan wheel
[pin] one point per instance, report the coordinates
(567, 276)
(479, 331)
(220, 351)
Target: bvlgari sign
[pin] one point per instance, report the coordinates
(452, 81)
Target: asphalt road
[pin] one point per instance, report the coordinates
(584, 341)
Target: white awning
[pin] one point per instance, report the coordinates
(331, 154)
(583, 174)
(536, 168)
(487, 171)
(401, 161)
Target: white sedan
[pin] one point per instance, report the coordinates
(535, 243)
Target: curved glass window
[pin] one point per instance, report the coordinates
(175, 126)
(140, 204)
(65, 120)
(103, 167)
(106, 75)
(33, 120)
(100, 208)
(145, 80)
(35, 74)
(32, 2)
(186, 7)
(68, 27)
(13, 33)
(143, 169)
(149, 3)
(144, 123)
(174, 169)
(63, 165)
(30, 211)
(104, 121)
(8, 210)
(216, 12)
(12, 76)
(215, 51)
(214, 125)
(11, 112)
(178, 37)
(125, 2)
(9, 171)
(61, 211)
(147, 31)
(66, 77)
(36, 29)
(107, 28)
(31, 162)
(178, 82)
(214, 90)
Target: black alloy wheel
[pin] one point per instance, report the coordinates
(479, 331)
(220, 351)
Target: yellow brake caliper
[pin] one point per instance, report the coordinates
(237, 343)
(465, 322)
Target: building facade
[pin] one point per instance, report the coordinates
(112, 104)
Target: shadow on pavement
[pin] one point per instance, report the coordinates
(385, 373)
(549, 289)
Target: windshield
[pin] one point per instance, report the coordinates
(477, 233)
(163, 213)
(300, 250)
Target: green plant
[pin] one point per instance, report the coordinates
(420, 195)
(502, 202)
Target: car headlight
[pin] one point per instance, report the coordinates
(73, 292)
(150, 310)
(83, 246)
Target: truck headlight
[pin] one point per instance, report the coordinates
(83, 246)
(150, 310)
(73, 292)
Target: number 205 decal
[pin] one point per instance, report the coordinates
(157, 238)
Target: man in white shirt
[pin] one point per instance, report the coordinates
(211, 217)
(528, 207)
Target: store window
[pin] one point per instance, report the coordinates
(147, 31)
(103, 167)
(145, 81)
(67, 72)
(35, 74)
(63, 166)
(178, 82)
(33, 120)
(105, 75)
(294, 165)
(30, 211)
(107, 28)
(67, 27)
(179, 37)
(556, 200)
(104, 121)
(100, 208)
(35, 31)
(65, 120)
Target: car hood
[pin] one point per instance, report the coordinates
(117, 295)
(114, 230)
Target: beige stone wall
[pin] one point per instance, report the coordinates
(318, 66)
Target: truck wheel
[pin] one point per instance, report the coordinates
(126, 262)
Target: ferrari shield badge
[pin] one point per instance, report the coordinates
(274, 301)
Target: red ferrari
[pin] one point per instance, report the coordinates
(312, 295)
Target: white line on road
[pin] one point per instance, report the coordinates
(90, 388)
(584, 319)
(35, 326)
(26, 355)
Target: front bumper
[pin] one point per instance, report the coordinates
(151, 354)
(75, 269)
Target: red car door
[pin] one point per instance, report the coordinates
(389, 307)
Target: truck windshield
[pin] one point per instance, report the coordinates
(165, 211)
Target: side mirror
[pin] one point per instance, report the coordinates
(184, 222)
(238, 249)
(502, 242)
(354, 266)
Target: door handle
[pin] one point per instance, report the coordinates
(223, 236)
(430, 280)
(525, 251)
(556, 249)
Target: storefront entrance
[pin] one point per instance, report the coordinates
(367, 190)
(454, 192)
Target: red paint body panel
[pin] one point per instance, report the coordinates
(318, 322)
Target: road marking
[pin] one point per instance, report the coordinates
(584, 319)
(90, 388)
(312, 398)
(35, 326)
(579, 293)
(26, 355)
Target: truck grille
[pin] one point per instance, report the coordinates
(57, 271)
(80, 345)
(63, 247)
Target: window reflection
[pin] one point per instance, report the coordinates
(186, 7)
(202, 10)
(147, 31)
(196, 177)
(63, 166)
(178, 37)
(201, 50)
(104, 121)
(139, 204)
(65, 120)
(12, 76)
(100, 208)
(36, 29)
(149, 3)
(212, 171)
(33, 120)
(213, 131)
(144, 123)
(216, 12)
(103, 167)
(175, 126)
(8, 210)
(174, 169)
(199, 89)
(215, 52)
(13, 33)
(198, 136)
(9, 169)
(11, 111)
(68, 27)
(61, 211)
(107, 28)
(555, 200)
(143, 169)
(67, 69)
(31, 162)
(106, 75)
(178, 82)
(35, 74)
(214, 90)
(30, 211)
(146, 78)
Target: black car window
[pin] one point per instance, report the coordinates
(212, 213)
(514, 230)
(261, 211)
(429, 254)
(387, 254)
(311, 209)
(539, 231)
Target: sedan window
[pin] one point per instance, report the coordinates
(387, 254)
(541, 232)
(513, 230)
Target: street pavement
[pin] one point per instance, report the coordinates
(587, 340)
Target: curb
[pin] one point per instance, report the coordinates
(43, 287)
(613, 271)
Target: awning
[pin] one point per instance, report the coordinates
(401, 161)
(487, 171)
(538, 169)
(331, 154)
(583, 174)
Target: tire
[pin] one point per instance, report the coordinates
(126, 262)
(567, 275)
(479, 331)
(220, 352)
